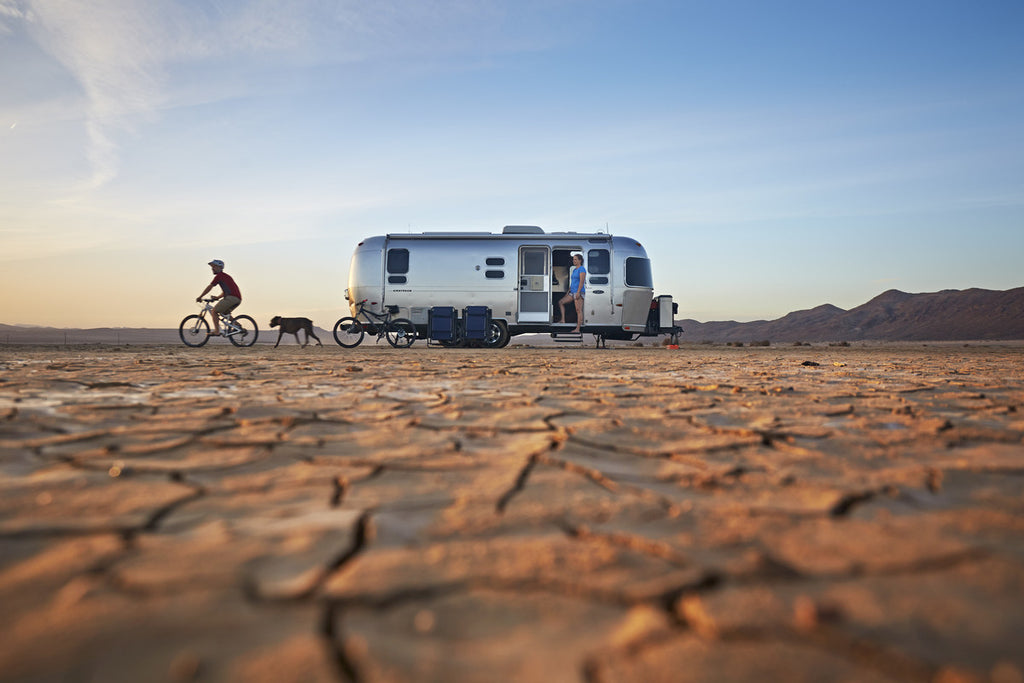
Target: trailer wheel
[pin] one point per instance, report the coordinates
(497, 336)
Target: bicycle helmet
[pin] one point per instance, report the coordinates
(216, 262)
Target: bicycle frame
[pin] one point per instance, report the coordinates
(230, 327)
(378, 320)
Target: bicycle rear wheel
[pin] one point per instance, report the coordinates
(401, 333)
(348, 332)
(249, 333)
(194, 330)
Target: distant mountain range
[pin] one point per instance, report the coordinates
(949, 315)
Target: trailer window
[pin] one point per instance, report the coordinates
(535, 262)
(495, 261)
(598, 262)
(638, 272)
(398, 260)
(494, 274)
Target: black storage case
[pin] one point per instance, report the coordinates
(477, 322)
(442, 324)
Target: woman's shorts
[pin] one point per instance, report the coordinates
(227, 304)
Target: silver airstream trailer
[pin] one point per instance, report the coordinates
(519, 275)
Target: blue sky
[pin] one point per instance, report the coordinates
(771, 155)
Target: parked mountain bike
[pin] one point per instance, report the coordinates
(195, 329)
(349, 331)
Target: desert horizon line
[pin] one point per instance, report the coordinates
(826, 304)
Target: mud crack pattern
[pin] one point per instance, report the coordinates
(707, 513)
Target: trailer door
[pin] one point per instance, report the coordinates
(600, 297)
(534, 285)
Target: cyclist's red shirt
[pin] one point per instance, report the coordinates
(227, 284)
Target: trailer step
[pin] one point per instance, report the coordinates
(567, 337)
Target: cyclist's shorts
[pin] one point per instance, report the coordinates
(227, 304)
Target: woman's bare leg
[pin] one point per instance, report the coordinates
(579, 312)
(561, 308)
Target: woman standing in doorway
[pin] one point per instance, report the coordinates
(577, 290)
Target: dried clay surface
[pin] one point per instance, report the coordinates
(525, 514)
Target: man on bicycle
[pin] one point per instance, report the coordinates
(230, 296)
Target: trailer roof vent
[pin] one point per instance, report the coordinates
(522, 230)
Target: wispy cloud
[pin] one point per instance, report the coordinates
(115, 51)
(11, 11)
(124, 53)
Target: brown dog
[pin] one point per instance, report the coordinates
(292, 326)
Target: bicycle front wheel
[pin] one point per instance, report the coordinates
(247, 332)
(348, 332)
(401, 333)
(194, 330)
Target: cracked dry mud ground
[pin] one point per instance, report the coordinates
(705, 514)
